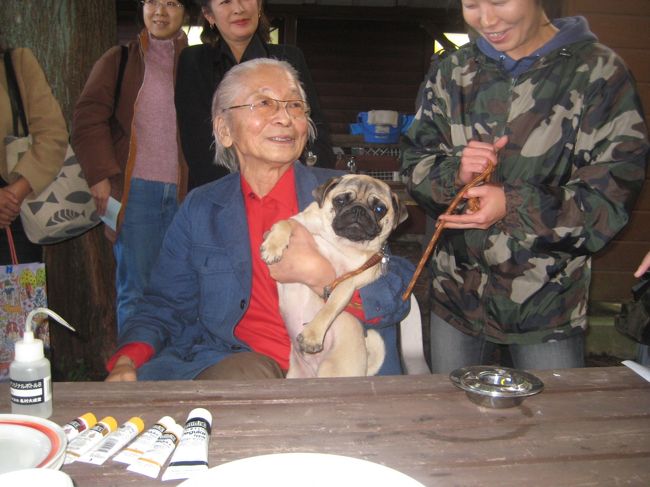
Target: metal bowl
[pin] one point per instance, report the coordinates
(496, 387)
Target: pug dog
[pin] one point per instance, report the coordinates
(350, 219)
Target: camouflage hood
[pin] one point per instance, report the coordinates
(570, 31)
(571, 171)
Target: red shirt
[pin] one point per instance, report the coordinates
(262, 327)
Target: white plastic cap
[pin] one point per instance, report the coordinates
(29, 349)
(200, 413)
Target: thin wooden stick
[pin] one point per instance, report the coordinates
(473, 204)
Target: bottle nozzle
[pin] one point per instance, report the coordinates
(34, 312)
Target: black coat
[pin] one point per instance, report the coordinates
(200, 70)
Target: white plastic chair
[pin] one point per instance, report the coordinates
(411, 343)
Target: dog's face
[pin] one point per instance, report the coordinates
(361, 208)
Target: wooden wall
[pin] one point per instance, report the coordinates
(368, 58)
(623, 25)
(372, 66)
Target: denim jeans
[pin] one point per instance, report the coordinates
(149, 212)
(452, 349)
(643, 354)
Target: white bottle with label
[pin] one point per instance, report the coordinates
(30, 373)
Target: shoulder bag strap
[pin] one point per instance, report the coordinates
(124, 56)
(12, 246)
(17, 109)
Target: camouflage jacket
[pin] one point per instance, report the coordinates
(571, 171)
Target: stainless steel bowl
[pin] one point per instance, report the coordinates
(496, 387)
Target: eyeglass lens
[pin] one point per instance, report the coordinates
(159, 3)
(270, 106)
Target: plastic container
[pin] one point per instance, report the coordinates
(30, 372)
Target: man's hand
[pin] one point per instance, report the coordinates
(302, 262)
(124, 371)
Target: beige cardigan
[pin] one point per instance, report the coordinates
(40, 165)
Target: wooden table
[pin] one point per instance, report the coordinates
(588, 427)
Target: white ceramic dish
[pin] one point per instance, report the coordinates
(30, 442)
(300, 469)
(36, 476)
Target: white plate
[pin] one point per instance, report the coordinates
(298, 470)
(28, 442)
(36, 476)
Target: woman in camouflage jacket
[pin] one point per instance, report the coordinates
(557, 113)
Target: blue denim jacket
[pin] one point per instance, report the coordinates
(200, 287)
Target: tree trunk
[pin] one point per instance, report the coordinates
(67, 37)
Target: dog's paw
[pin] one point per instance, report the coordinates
(308, 342)
(275, 242)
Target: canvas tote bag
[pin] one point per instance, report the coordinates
(65, 208)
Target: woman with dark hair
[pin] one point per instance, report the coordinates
(234, 31)
(39, 165)
(556, 116)
(130, 150)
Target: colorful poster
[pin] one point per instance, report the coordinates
(22, 288)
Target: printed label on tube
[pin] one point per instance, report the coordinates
(144, 442)
(79, 425)
(88, 439)
(113, 442)
(191, 456)
(151, 461)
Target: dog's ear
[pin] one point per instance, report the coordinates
(320, 193)
(401, 212)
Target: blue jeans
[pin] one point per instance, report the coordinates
(452, 349)
(149, 212)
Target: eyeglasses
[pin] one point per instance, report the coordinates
(158, 3)
(267, 107)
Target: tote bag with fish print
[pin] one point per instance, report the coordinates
(62, 210)
(65, 208)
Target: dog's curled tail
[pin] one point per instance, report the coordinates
(376, 351)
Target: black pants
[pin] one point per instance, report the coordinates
(25, 250)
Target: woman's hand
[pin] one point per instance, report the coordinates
(492, 208)
(644, 266)
(101, 191)
(9, 207)
(11, 197)
(477, 156)
(124, 371)
(302, 262)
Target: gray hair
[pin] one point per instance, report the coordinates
(226, 94)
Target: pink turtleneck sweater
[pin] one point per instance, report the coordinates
(155, 116)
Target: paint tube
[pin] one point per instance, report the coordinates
(78, 425)
(151, 461)
(88, 439)
(144, 442)
(113, 442)
(191, 456)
